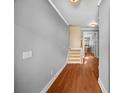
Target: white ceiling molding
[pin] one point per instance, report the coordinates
(59, 13)
(89, 28)
(99, 3)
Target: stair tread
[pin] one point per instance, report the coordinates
(75, 50)
(73, 59)
(74, 53)
(74, 56)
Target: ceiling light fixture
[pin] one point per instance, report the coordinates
(93, 24)
(74, 2)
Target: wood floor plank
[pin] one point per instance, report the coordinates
(77, 78)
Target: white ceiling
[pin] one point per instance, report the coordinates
(83, 14)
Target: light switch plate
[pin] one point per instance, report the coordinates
(27, 54)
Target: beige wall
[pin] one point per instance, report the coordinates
(74, 36)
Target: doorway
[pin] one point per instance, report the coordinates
(90, 41)
(75, 45)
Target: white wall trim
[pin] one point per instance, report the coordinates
(59, 13)
(89, 28)
(102, 86)
(44, 90)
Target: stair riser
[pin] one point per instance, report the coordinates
(74, 58)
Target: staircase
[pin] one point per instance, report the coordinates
(74, 56)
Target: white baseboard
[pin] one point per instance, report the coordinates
(102, 86)
(44, 90)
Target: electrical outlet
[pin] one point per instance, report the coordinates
(27, 54)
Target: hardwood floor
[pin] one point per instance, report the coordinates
(78, 78)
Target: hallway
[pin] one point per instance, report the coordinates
(61, 46)
(78, 78)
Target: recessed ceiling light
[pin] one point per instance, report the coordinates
(74, 2)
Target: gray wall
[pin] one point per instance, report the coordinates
(38, 28)
(104, 43)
